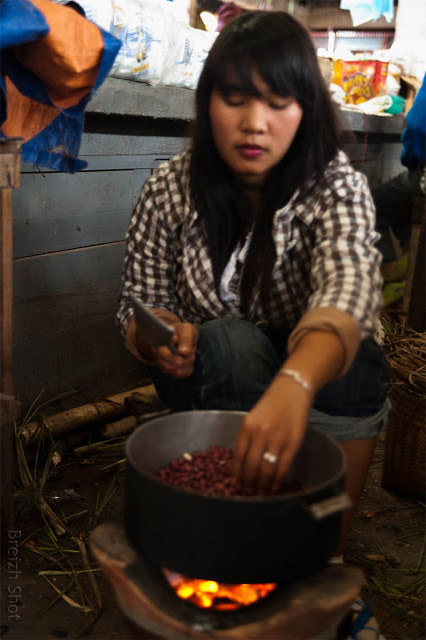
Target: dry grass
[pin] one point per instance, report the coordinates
(61, 540)
(406, 355)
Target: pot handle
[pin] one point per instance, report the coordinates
(329, 506)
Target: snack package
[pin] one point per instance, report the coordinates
(361, 80)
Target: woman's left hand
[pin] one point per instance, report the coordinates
(275, 425)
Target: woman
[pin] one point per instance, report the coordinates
(257, 245)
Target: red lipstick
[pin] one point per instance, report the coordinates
(250, 150)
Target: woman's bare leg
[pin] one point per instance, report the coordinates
(359, 454)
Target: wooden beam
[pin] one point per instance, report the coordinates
(9, 410)
(10, 163)
(6, 291)
(414, 296)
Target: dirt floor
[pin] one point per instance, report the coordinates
(387, 542)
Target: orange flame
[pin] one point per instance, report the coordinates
(208, 594)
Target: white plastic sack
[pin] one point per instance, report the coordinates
(97, 11)
(191, 47)
(156, 48)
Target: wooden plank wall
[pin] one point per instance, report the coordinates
(69, 235)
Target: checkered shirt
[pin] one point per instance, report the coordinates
(324, 241)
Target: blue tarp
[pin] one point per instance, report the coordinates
(52, 132)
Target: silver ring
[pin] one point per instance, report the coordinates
(270, 457)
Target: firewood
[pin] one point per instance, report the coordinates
(72, 419)
(120, 427)
(126, 425)
(62, 446)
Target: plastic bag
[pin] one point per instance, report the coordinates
(366, 10)
(156, 48)
(191, 47)
(389, 105)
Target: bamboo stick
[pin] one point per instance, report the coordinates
(71, 419)
(101, 445)
(90, 570)
(126, 425)
(120, 427)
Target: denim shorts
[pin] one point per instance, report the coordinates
(236, 361)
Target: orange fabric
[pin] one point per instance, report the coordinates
(26, 117)
(68, 58)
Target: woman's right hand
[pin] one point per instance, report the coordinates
(185, 340)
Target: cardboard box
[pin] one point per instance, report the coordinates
(409, 88)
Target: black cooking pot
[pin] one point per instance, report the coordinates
(231, 539)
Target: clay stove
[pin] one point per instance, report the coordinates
(312, 608)
(281, 543)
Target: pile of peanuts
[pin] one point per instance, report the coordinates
(210, 472)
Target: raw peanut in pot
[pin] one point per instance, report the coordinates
(210, 472)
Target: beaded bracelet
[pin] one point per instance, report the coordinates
(297, 378)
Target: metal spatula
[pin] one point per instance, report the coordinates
(153, 331)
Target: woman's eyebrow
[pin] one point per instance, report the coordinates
(273, 94)
(232, 87)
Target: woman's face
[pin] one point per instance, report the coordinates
(252, 134)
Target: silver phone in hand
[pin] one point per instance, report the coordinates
(152, 330)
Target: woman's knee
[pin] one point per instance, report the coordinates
(234, 346)
(234, 365)
(355, 407)
(363, 390)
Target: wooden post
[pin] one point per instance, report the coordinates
(10, 164)
(416, 315)
(193, 13)
(414, 296)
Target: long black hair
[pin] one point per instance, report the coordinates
(276, 46)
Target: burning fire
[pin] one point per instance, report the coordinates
(208, 594)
